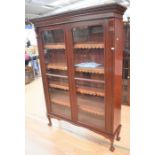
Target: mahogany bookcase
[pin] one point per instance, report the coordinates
(81, 63)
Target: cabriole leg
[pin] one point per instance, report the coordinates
(112, 148)
(118, 134)
(49, 119)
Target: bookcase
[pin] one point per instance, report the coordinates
(81, 64)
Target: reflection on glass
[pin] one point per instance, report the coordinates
(89, 60)
(89, 74)
(55, 59)
(91, 110)
(88, 34)
(58, 82)
(53, 36)
(56, 71)
(91, 88)
(60, 102)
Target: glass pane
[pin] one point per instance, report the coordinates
(88, 34)
(57, 72)
(60, 102)
(53, 36)
(91, 110)
(55, 52)
(58, 82)
(89, 74)
(55, 59)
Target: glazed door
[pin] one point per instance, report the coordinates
(88, 49)
(57, 71)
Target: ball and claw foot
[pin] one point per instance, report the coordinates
(118, 138)
(50, 124)
(112, 148)
(49, 119)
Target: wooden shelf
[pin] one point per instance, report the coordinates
(85, 104)
(89, 80)
(91, 105)
(77, 46)
(60, 97)
(60, 66)
(97, 70)
(57, 75)
(62, 86)
(81, 89)
(88, 45)
(54, 46)
(90, 91)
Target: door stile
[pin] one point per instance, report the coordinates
(43, 72)
(71, 72)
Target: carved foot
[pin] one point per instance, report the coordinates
(49, 124)
(49, 119)
(112, 148)
(117, 135)
(118, 138)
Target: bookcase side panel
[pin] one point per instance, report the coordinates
(109, 44)
(118, 56)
